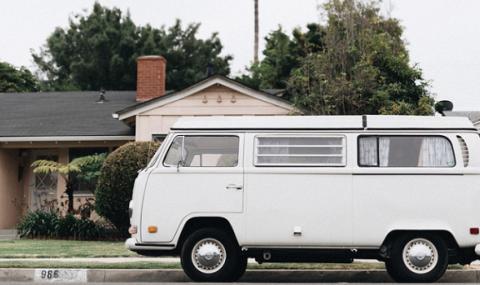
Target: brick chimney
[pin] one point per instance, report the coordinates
(151, 73)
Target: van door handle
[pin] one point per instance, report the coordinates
(234, 187)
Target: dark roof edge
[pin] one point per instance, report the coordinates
(65, 138)
(92, 92)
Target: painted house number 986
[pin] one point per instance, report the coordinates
(58, 274)
(50, 274)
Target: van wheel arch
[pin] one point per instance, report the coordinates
(197, 223)
(447, 236)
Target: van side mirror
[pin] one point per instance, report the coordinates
(180, 163)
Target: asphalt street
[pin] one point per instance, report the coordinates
(151, 276)
(172, 283)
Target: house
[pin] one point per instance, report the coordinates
(474, 116)
(65, 125)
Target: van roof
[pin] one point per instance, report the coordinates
(368, 122)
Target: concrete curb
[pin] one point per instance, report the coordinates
(281, 276)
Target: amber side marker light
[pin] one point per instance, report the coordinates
(474, 231)
(152, 229)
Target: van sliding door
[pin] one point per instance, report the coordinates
(298, 190)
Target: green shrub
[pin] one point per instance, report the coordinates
(38, 224)
(88, 229)
(66, 227)
(41, 224)
(115, 184)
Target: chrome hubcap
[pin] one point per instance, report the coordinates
(420, 255)
(208, 255)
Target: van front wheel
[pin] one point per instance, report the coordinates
(211, 255)
(418, 258)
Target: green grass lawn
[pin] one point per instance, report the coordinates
(66, 248)
(157, 265)
(89, 265)
(26, 248)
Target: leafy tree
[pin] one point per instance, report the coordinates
(83, 166)
(17, 79)
(363, 69)
(90, 168)
(188, 58)
(282, 54)
(99, 50)
(115, 185)
(278, 60)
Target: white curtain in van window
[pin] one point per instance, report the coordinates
(273, 145)
(300, 150)
(384, 145)
(436, 152)
(368, 151)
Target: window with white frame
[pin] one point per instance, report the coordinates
(294, 150)
(405, 151)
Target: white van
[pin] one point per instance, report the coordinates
(400, 189)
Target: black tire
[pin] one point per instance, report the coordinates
(390, 269)
(400, 271)
(240, 270)
(230, 267)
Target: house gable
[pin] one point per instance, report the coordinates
(213, 81)
(217, 100)
(215, 97)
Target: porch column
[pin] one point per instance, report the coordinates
(11, 192)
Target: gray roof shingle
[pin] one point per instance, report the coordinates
(474, 116)
(52, 114)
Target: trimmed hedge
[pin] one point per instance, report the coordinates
(115, 184)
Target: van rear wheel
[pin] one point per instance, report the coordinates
(417, 258)
(212, 255)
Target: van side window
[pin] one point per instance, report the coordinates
(464, 148)
(300, 151)
(405, 151)
(203, 151)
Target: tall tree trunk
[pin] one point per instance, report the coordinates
(69, 192)
(255, 45)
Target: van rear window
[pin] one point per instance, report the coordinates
(405, 151)
(299, 150)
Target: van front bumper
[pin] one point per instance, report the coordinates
(477, 249)
(133, 245)
(130, 243)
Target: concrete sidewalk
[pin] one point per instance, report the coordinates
(271, 276)
(471, 273)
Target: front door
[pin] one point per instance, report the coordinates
(200, 175)
(43, 187)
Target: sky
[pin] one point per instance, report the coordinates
(443, 36)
